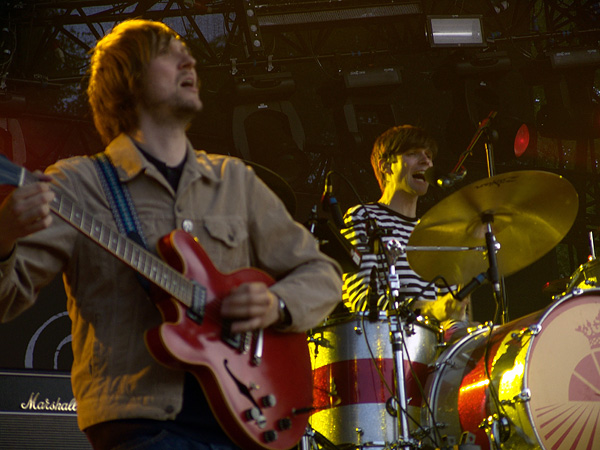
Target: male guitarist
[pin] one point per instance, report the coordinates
(142, 389)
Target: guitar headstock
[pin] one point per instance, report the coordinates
(10, 173)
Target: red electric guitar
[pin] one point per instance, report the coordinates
(258, 384)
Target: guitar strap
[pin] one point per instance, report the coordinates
(121, 205)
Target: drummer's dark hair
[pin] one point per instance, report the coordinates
(396, 141)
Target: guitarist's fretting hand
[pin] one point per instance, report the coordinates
(251, 306)
(25, 211)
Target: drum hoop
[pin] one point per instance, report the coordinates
(337, 319)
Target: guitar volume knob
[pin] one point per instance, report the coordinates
(284, 424)
(256, 415)
(268, 401)
(270, 435)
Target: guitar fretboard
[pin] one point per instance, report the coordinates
(134, 255)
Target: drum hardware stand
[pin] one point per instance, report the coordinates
(497, 427)
(466, 442)
(312, 437)
(319, 342)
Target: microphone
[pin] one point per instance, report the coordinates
(444, 181)
(330, 203)
(471, 285)
(373, 296)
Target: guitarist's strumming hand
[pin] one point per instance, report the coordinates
(25, 211)
(250, 306)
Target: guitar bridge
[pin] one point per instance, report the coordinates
(239, 341)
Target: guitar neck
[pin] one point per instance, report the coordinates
(126, 250)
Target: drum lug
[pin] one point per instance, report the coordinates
(525, 395)
(448, 363)
(534, 330)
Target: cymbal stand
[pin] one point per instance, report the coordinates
(393, 250)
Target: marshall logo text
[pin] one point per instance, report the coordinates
(33, 404)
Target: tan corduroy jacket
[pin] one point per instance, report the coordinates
(233, 215)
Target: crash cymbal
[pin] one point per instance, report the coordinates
(531, 210)
(555, 287)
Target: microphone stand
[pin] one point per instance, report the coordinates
(497, 281)
(393, 250)
(497, 284)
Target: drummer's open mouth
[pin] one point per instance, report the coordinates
(419, 175)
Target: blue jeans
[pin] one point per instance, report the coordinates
(166, 440)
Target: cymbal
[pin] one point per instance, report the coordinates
(555, 287)
(531, 212)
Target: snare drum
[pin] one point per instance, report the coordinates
(544, 370)
(354, 381)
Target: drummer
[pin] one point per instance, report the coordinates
(400, 157)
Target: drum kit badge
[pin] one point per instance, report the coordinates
(387, 381)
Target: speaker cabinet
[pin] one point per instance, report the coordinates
(38, 411)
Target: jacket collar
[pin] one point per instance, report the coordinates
(129, 160)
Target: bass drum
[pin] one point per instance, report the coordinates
(533, 383)
(353, 377)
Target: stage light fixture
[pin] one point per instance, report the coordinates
(499, 5)
(525, 143)
(514, 139)
(455, 31)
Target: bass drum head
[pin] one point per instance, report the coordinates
(564, 375)
(544, 370)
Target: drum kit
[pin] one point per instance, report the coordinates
(388, 381)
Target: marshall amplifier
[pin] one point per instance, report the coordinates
(38, 411)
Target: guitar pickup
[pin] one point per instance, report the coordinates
(198, 304)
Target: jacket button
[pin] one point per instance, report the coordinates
(169, 409)
(187, 225)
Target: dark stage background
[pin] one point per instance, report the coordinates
(309, 93)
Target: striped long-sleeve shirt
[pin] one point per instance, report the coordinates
(364, 224)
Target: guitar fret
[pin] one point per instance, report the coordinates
(77, 218)
(185, 293)
(144, 260)
(118, 246)
(128, 252)
(96, 231)
(153, 272)
(86, 224)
